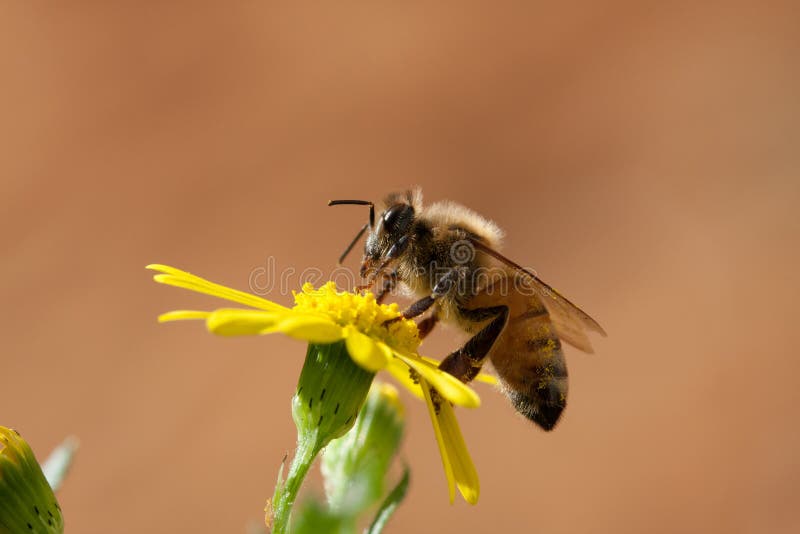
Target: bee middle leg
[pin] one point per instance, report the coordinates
(466, 362)
(442, 287)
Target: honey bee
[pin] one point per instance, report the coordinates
(447, 256)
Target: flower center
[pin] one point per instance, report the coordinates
(361, 311)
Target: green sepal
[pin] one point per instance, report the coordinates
(330, 392)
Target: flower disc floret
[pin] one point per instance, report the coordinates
(362, 312)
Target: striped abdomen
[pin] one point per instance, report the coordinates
(528, 358)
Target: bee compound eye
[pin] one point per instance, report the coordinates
(391, 217)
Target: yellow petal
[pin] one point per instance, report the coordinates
(313, 328)
(234, 322)
(182, 315)
(463, 469)
(486, 378)
(400, 372)
(448, 468)
(365, 351)
(176, 277)
(448, 386)
(390, 396)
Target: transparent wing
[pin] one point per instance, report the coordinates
(570, 322)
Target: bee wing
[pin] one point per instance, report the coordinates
(569, 321)
(528, 359)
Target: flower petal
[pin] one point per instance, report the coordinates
(401, 372)
(463, 469)
(365, 351)
(313, 328)
(486, 378)
(182, 315)
(175, 277)
(448, 386)
(437, 431)
(236, 322)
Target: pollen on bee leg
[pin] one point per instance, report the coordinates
(436, 400)
(413, 375)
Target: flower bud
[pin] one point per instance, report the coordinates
(330, 392)
(27, 503)
(355, 466)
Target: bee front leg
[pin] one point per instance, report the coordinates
(389, 283)
(466, 362)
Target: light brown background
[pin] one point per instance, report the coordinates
(643, 158)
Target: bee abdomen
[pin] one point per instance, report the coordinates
(541, 402)
(538, 387)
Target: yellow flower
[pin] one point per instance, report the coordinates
(326, 316)
(323, 316)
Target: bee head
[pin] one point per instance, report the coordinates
(388, 236)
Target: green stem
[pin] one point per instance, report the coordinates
(329, 395)
(286, 492)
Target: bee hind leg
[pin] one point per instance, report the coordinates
(466, 362)
(425, 326)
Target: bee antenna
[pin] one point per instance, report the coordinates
(370, 224)
(352, 244)
(358, 203)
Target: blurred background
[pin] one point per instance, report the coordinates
(642, 157)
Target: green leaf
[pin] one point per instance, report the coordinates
(390, 504)
(56, 465)
(314, 518)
